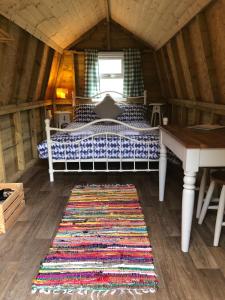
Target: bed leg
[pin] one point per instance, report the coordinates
(49, 145)
(162, 171)
(51, 176)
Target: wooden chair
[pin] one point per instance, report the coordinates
(202, 190)
(217, 179)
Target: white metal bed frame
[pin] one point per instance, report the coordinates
(93, 160)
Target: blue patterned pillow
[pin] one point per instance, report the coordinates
(85, 113)
(133, 112)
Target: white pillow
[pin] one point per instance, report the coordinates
(107, 108)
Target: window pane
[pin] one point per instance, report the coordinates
(112, 85)
(110, 66)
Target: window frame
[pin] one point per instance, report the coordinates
(112, 56)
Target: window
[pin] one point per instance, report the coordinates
(111, 72)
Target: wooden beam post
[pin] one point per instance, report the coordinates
(44, 60)
(184, 51)
(19, 141)
(161, 81)
(2, 162)
(174, 69)
(10, 109)
(74, 85)
(207, 56)
(167, 72)
(108, 18)
(33, 132)
(185, 64)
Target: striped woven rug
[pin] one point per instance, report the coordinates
(101, 246)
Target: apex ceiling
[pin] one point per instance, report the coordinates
(60, 22)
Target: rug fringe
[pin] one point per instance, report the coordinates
(95, 294)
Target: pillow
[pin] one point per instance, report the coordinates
(107, 108)
(85, 113)
(132, 112)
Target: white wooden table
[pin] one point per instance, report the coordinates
(195, 149)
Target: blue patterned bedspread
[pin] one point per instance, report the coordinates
(100, 147)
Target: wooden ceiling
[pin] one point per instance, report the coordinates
(60, 22)
(155, 21)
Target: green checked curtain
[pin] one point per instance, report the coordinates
(133, 84)
(91, 73)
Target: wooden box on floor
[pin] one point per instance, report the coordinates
(12, 206)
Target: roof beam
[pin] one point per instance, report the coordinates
(4, 36)
(108, 18)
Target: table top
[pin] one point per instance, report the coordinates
(195, 138)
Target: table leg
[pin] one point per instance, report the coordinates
(187, 208)
(162, 171)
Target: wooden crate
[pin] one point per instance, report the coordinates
(12, 206)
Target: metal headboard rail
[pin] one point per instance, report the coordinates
(123, 96)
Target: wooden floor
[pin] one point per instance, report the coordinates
(197, 275)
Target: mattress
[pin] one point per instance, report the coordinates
(141, 145)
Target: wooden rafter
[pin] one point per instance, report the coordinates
(4, 36)
(184, 52)
(167, 72)
(174, 69)
(89, 33)
(10, 109)
(207, 55)
(2, 161)
(160, 75)
(214, 108)
(19, 141)
(153, 21)
(108, 18)
(33, 131)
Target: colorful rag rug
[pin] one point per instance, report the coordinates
(101, 246)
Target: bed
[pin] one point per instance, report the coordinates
(92, 144)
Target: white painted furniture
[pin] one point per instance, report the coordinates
(217, 178)
(61, 118)
(202, 189)
(201, 193)
(156, 112)
(121, 137)
(147, 166)
(195, 149)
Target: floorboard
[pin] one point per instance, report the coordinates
(200, 274)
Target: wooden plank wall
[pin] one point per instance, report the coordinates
(96, 38)
(191, 67)
(24, 72)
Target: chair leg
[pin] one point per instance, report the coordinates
(201, 192)
(219, 218)
(152, 119)
(206, 202)
(160, 118)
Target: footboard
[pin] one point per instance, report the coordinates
(103, 152)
